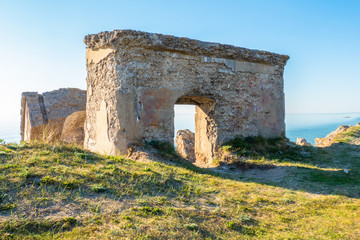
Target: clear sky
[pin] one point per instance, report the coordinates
(42, 49)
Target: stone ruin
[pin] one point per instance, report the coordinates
(43, 115)
(135, 78)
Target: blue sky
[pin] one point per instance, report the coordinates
(42, 45)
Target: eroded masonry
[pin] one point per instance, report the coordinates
(135, 78)
(43, 115)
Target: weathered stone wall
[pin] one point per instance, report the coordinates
(135, 78)
(43, 115)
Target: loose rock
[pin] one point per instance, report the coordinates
(185, 144)
(302, 142)
(73, 130)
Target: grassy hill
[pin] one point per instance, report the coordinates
(266, 192)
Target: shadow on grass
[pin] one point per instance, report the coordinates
(118, 184)
(332, 170)
(323, 176)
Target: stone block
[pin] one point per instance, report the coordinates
(185, 144)
(73, 129)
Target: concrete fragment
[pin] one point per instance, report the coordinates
(43, 115)
(185, 144)
(73, 129)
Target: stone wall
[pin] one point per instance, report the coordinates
(135, 78)
(43, 115)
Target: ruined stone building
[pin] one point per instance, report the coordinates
(43, 115)
(135, 79)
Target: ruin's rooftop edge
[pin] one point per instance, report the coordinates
(160, 42)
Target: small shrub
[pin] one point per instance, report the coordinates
(147, 169)
(98, 188)
(165, 148)
(153, 211)
(127, 218)
(70, 220)
(95, 208)
(246, 219)
(191, 226)
(13, 146)
(231, 224)
(44, 153)
(70, 184)
(48, 180)
(249, 230)
(3, 153)
(85, 155)
(146, 211)
(226, 148)
(7, 207)
(288, 201)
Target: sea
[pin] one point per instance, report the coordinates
(303, 125)
(308, 125)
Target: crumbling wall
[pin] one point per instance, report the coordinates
(43, 115)
(135, 78)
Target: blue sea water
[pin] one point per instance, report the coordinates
(311, 126)
(308, 126)
(10, 130)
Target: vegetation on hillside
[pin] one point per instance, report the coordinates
(350, 135)
(63, 192)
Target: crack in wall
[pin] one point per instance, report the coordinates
(43, 110)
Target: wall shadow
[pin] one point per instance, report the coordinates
(332, 170)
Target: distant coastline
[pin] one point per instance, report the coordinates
(316, 125)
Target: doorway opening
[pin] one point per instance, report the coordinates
(195, 128)
(184, 124)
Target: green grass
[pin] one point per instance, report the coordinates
(351, 135)
(255, 147)
(63, 192)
